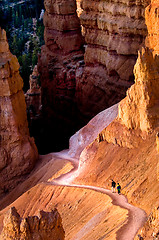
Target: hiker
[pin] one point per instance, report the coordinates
(118, 188)
(113, 185)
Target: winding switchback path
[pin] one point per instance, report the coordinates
(136, 216)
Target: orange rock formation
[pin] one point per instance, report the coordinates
(139, 110)
(113, 31)
(47, 225)
(18, 152)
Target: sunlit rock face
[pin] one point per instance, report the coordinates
(113, 31)
(152, 22)
(79, 9)
(18, 152)
(150, 229)
(139, 110)
(47, 225)
(60, 63)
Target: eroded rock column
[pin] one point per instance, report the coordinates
(140, 108)
(18, 152)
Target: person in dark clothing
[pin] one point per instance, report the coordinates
(118, 188)
(113, 185)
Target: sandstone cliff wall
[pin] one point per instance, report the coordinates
(47, 225)
(18, 152)
(60, 62)
(139, 111)
(113, 31)
(74, 90)
(140, 108)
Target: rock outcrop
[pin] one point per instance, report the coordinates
(18, 152)
(139, 111)
(113, 31)
(151, 227)
(79, 9)
(60, 63)
(140, 108)
(33, 95)
(47, 225)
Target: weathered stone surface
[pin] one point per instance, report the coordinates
(95, 81)
(47, 225)
(61, 60)
(63, 7)
(152, 22)
(140, 108)
(113, 31)
(33, 95)
(61, 22)
(18, 152)
(139, 111)
(79, 9)
(61, 40)
(157, 141)
(151, 227)
(4, 48)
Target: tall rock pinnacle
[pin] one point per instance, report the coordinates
(140, 109)
(18, 152)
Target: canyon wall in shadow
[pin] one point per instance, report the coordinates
(86, 64)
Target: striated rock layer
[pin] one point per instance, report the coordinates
(140, 108)
(60, 63)
(74, 90)
(139, 111)
(113, 31)
(47, 225)
(18, 152)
